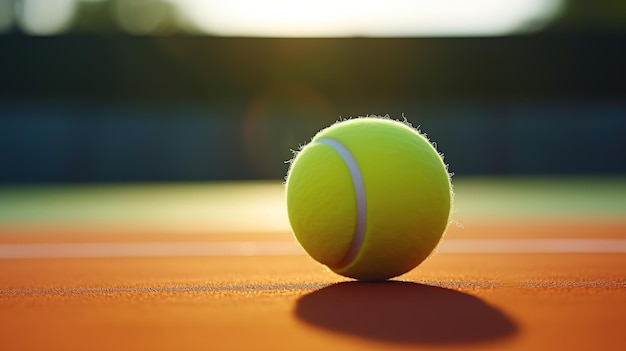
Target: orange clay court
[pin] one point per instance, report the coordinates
(526, 264)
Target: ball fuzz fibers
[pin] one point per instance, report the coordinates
(368, 197)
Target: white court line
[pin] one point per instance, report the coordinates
(149, 249)
(282, 248)
(484, 246)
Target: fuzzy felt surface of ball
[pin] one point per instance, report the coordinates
(369, 197)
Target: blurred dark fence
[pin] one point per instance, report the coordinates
(121, 108)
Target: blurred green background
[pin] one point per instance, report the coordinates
(192, 90)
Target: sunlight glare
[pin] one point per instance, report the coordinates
(329, 18)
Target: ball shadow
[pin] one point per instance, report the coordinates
(403, 312)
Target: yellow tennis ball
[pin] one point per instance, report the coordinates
(369, 198)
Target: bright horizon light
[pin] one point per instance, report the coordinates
(388, 18)
(298, 18)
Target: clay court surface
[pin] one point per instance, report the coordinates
(527, 264)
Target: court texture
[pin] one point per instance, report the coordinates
(528, 263)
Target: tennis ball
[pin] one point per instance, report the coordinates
(368, 197)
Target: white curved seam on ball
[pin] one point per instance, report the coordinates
(359, 189)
